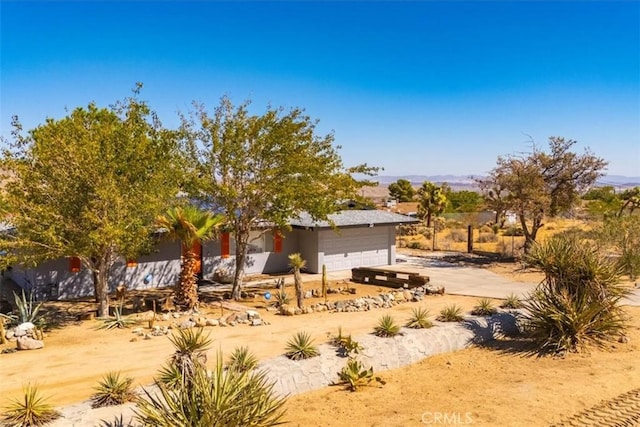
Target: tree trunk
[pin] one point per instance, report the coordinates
(297, 281)
(238, 277)
(429, 219)
(101, 287)
(187, 287)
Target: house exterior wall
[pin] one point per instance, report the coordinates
(55, 280)
(308, 249)
(263, 262)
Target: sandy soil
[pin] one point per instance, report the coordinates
(494, 385)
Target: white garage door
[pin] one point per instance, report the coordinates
(355, 247)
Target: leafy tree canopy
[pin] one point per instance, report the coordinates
(543, 183)
(463, 201)
(432, 201)
(265, 169)
(88, 185)
(401, 190)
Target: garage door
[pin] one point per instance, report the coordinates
(355, 247)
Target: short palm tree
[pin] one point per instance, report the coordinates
(297, 263)
(190, 225)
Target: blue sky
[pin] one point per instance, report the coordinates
(416, 87)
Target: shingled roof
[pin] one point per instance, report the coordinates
(353, 218)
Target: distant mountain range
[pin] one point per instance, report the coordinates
(469, 180)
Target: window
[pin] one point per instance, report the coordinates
(256, 242)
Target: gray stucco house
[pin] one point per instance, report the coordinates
(361, 238)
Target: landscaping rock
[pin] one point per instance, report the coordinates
(256, 322)
(287, 310)
(252, 314)
(187, 324)
(308, 294)
(9, 334)
(231, 318)
(26, 343)
(212, 322)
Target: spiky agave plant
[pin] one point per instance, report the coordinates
(31, 410)
(484, 307)
(220, 398)
(301, 346)
(512, 302)
(387, 327)
(450, 313)
(242, 359)
(118, 320)
(113, 389)
(419, 319)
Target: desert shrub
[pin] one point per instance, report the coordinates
(354, 375)
(387, 327)
(578, 303)
(495, 228)
(408, 230)
(113, 390)
(485, 229)
(512, 302)
(419, 319)
(402, 243)
(484, 307)
(281, 297)
(458, 235)
(31, 410)
(414, 245)
(513, 231)
(438, 223)
(428, 233)
(622, 236)
(220, 398)
(450, 313)
(486, 238)
(242, 359)
(301, 346)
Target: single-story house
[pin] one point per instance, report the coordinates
(360, 238)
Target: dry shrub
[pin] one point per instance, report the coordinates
(487, 237)
(458, 235)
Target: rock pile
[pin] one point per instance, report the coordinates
(26, 335)
(366, 303)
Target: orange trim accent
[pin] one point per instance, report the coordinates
(225, 244)
(277, 242)
(132, 263)
(75, 265)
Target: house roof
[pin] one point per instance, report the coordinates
(353, 218)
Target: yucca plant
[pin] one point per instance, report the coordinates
(512, 302)
(112, 390)
(297, 263)
(354, 375)
(579, 301)
(484, 307)
(191, 346)
(419, 319)
(221, 398)
(300, 346)
(387, 327)
(31, 410)
(450, 313)
(242, 360)
(118, 320)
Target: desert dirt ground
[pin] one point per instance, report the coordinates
(496, 384)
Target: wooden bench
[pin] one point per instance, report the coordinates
(388, 278)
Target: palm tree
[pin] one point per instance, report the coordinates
(191, 226)
(297, 263)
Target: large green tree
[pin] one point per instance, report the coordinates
(432, 200)
(630, 199)
(463, 201)
(401, 190)
(88, 185)
(191, 226)
(263, 170)
(543, 183)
